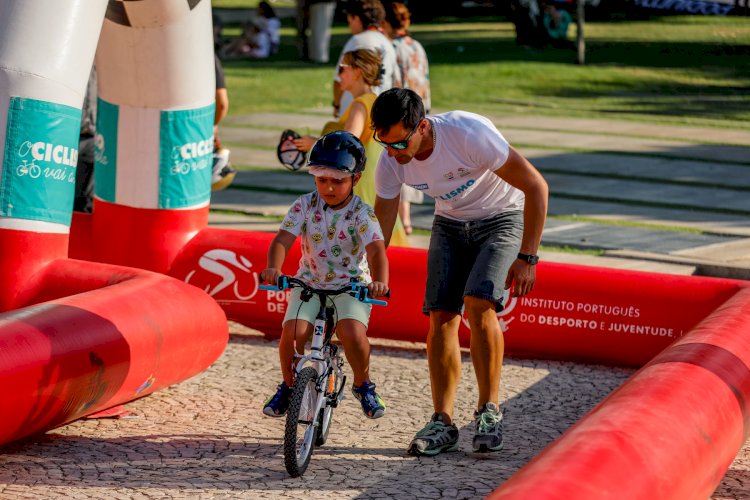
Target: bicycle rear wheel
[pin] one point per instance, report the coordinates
(302, 423)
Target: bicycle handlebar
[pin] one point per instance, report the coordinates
(355, 289)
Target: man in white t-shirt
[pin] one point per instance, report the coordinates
(364, 18)
(490, 208)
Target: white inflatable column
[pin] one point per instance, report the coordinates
(46, 51)
(154, 141)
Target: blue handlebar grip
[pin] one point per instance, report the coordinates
(268, 287)
(376, 302)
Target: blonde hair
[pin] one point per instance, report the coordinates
(367, 61)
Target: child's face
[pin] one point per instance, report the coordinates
(335, 191)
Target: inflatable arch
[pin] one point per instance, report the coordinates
(79, 337)
(670, 432)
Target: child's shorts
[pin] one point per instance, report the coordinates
(344, 305)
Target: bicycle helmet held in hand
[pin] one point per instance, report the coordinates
(287, 153)
(340, 151)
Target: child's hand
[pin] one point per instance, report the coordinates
(377, 289)
(270, 275)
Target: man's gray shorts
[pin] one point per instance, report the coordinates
(470, 258)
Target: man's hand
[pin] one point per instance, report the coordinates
(521, 276)
(377, 289)
(270, 275)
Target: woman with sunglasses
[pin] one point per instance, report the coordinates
(359, 71)
(490, 208)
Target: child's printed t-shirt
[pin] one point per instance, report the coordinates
(333, 241)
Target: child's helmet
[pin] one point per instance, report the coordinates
(338, 150)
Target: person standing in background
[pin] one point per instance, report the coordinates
(273, 25)
(415, 75)
(321, 19)
(364, 18)
(83, 199)
(302, 20)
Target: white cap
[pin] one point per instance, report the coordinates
(319, 171)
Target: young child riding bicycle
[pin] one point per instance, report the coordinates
(341, 240)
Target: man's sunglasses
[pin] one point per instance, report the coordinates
(398, 145)
(343, 66)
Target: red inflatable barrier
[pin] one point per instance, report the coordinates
(22, 254)
(134, 237)
(577, 313)
(98, 336)
(670, 432)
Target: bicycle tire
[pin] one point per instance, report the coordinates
(298, 448)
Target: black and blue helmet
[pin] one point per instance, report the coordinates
(338, 150)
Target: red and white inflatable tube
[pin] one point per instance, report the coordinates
(97, 336)
(670, 432)
(576, 313)
(75, 337)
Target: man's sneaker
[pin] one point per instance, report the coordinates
(435, 438)
(372, 404)
(488, 428)
(278, 404)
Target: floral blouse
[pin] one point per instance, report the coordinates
(415, 71)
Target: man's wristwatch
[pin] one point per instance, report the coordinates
(530, 259)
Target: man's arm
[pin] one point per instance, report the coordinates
(520, 173)
(386, 211)
(222, 105)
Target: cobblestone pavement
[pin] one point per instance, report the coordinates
(207, 438)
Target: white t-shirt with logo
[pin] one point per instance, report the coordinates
(333, 241)
(459, 173)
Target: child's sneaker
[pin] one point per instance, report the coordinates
(436, 437)
(489, 428)
(278, 404)
(372, 404)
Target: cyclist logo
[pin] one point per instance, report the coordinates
(25, 168)
(178, 165)
(502, 317)
(233, 269)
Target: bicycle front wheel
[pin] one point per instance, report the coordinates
(302, 423)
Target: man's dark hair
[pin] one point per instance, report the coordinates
(370, 12)
(397, 105)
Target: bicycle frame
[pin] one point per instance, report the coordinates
(316, 367)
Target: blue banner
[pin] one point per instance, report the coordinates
(105, 150)
(186, 146)
(39, 164)
(696, 7)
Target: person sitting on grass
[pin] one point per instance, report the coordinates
(341, 239)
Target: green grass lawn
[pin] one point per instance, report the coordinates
(689, 70)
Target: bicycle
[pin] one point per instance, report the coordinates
(319, 380)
